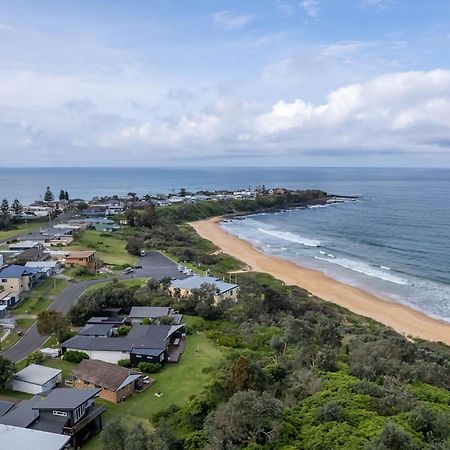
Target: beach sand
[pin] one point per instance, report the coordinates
(404, 320)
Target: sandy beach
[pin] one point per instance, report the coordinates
(401, 318)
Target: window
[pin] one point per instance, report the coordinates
(4, 280)
(60, 413)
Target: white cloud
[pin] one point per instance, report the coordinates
(229, 21)
(311, 7)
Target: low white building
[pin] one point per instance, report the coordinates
(35, 379)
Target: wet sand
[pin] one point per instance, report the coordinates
(404, 320)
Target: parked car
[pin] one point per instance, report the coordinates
(128, 270)
(142, 252)
(137, 266)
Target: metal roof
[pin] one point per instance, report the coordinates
(16, 271)
(149, 311)
(37, 374)
(65, 398)
(19, 438)
(196, 281)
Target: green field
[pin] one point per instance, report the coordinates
(177, 382)
(110, 247)
(19, 229)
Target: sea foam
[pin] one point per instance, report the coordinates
(291, 237)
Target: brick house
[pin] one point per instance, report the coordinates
(84, 258)
(116, 382)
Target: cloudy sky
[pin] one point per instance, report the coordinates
(236, 82)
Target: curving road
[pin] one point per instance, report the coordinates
(154, 265)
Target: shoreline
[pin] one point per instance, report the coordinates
(401, 318)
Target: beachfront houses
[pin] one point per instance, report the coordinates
(184, 288)
(84, 258)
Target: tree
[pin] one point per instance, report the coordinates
(5, 207)
(392, 437)
(35, 358)
(17, 207)
(62, 195)
(149, 217)
(48, 196)
(7, 371)
(82, 206)
(134, 245)
(248, 417)
(50, 322)
(114, 435)
(138, 438)
(66, 195)
(245, 374)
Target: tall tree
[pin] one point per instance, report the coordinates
(66, 195)
(17, 207)
(114, 435)
(62, 195)
(48, 196)
(5, 207)
(50, 322)
(149, 217)
(7, 371)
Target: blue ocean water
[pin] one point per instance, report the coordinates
(394, 241)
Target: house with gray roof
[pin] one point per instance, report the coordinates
(184, 287)
(143, 343)
(70, 412)
(16, 279)
(35, 379)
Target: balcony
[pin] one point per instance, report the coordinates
(89, 416)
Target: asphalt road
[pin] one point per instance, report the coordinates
(154, 265)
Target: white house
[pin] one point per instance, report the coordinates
(35, 379)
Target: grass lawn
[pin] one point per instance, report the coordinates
(129, 283)
(177, 382)
(20, 229)
(110, 247)
(13, 396)
(57, 363)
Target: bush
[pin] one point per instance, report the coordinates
(123, 330)
(35, 358)
(83, 271)
(124, 362)
(149, 367)
(75, 356)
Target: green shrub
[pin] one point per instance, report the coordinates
(35, 358)
(124, 362)
(148, 367)
(83, 271)
(123, 330)
(75, 356)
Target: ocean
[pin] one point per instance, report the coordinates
(394, 241)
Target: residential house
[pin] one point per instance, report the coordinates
(46, 268)
(35, 379)
(31, 254)
(3, 310)
(148, 343)
(116, 382)
(154, 313)
(84, 258)
(70, 412)
(16, 279)
(17, 438)
(183, 288)
(24, 245)
(8, 299)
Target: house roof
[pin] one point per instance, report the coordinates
(24, 244)
(22, 414)
(195, 282)
(96, 329)
(5, 406)
(149, 311)
(65, 399)
(37, 374)
(139, 337)
(81, 254)
(19, 438)
(104, 374)
(15, 271)
(41, 264)
(107, 320)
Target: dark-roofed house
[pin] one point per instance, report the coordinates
(154, 313)
(35, 379)
(107, 320)
(62, 411)
(149, 343)
(97, 329)
(116, 382)
(5, 406)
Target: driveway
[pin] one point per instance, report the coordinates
(154, 265)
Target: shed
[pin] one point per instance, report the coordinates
(35, 379)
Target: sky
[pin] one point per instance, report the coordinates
(215, 83)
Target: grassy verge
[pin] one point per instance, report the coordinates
(110, 247)
(177, 383)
